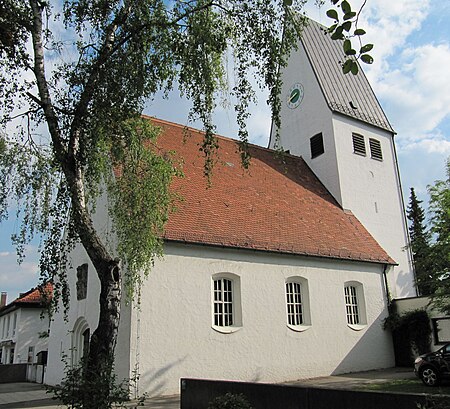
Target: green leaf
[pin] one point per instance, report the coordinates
(335, 1)
(366, 48)
(332, 14)
(359, 32)
(350, 15)
(347, 45)
(354, 68)
(287, 2)
(346, 8)
(332, 28)
(337, 36)
(350, 52)
(347, 26)
(368, 59)
(347, 66)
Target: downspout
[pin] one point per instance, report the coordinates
(386, 288)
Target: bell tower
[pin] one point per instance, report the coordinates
(335, 122)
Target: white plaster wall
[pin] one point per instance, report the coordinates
(175, 338)
(371, 190)
(311, 117)
(29, 326)
(60, 340)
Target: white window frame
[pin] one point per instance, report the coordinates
(295, 302)
(78, 340)
(229, 310)
(355, 305)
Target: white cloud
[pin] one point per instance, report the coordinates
(417, 92)
(440, 146)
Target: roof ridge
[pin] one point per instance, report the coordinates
(225, 138)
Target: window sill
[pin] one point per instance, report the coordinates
(298, 328)
(225, 330)
(357, 327)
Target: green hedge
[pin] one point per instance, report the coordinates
(411, 333)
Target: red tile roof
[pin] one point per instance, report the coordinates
(276, 205)
(36, 296)
(31, 299)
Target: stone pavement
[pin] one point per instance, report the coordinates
(350, 380)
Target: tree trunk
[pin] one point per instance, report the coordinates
(98, 383)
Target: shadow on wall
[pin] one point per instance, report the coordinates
(403, 283)
(361, 356)
(151, 382)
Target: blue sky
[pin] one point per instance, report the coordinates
(410, 76)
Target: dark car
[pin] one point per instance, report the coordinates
(434, 366)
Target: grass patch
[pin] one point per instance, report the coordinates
(406, 386)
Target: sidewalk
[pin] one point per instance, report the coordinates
(350, 380)
(32, 395)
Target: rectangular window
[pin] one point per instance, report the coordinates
(294, 303)
(30, 355)
(316, 144)
(441, 330)
(14, 324)
(375, 149)
(359, 146)
(351, 305)
(223, 302)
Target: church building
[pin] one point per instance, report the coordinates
(275, 273)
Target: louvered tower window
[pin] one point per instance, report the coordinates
(375, 149)
(316, 143)
(359, 146)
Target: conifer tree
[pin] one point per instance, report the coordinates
(420, 244)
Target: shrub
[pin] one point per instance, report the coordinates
(230, 401)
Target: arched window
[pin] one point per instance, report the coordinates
(297, 304)
(355, 306)
(226, 303)
(81, 336)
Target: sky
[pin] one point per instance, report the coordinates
(410, 76)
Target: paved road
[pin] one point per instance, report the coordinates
(31, 395)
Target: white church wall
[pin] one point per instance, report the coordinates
(61, 341)
(176, 338)
(311, 117)
(370, 189)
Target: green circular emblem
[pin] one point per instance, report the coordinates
(295, 95)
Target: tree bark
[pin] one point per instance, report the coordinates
(99, 367)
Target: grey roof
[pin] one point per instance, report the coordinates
(339, 89)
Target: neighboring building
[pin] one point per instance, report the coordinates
(270, 274)
(24, 327)
(439, 322)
